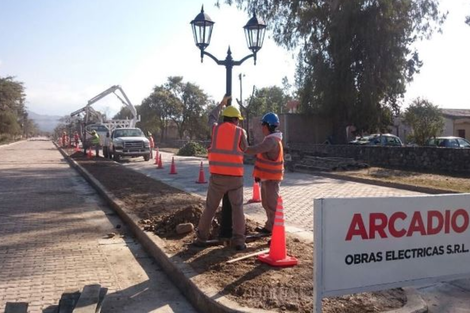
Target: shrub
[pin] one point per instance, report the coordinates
(192, 149)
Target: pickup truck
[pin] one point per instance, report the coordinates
(128, 142)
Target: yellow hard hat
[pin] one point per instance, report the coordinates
(232, 111)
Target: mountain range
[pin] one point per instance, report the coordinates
(45, 123)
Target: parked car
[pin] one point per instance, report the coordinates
(448, 142)
(379, 140)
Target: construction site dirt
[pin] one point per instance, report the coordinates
(248, 282)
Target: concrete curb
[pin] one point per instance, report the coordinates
(380, 183)
(204, 299)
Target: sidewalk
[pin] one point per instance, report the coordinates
(56, 235)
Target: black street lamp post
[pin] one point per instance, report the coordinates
(254, 32)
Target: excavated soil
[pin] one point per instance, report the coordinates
(248, 282)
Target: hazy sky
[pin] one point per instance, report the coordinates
(66, 52)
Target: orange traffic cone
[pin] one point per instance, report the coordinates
(160, 164)
(156, 155)
(256, 193)
(277, 251)
(89, 154)
(202, 179)
(173, 166)
(77, 148)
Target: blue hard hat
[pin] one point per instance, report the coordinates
(271, 119)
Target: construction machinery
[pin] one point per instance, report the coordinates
(90, 119)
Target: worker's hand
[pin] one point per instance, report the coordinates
(225, 100)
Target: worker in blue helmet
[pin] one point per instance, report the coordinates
(269, 167)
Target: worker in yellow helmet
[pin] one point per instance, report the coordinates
(226, 168)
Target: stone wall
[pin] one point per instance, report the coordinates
(413, 158)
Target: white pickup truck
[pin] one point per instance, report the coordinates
(128, 142)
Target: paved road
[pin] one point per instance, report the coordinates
(53, 230)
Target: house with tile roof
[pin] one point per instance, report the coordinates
(457, 123)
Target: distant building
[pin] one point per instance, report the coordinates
(292, 106)
(400, 129)
(457, 123)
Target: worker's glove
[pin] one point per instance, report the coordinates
(257, 179)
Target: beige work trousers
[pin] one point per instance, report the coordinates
(218, 186)
(269, 196)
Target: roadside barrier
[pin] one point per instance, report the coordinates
(277, 255)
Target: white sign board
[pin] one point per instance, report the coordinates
(365, 244)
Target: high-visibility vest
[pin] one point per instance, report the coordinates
(269, 169)
(152, 143)
(95, 139)
(225, 155)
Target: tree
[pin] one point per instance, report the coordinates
(13, 116)
(268, 99)
(425, 119)
(189, 101)
(356, 56)
(124, 113)
(157, 110)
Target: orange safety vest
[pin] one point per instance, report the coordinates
(151, 142)
(225, 155)
(269, 169)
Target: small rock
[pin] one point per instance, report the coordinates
(149, 228)
(111, 235)
(184, 228)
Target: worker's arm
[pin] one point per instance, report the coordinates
(243, 141)
(215, 113)
(268, 144)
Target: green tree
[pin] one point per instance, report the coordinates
(178, 102)
(356, 56)
(268, 99)
(425, 119)
(189, 102)
(124, 113)
(13, 116)
(157, 110)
